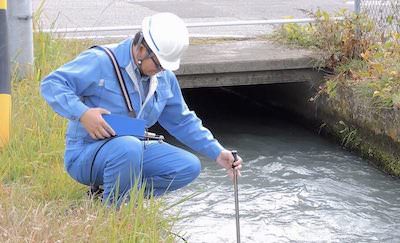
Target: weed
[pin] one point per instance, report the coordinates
(349, 135)
(354, 54)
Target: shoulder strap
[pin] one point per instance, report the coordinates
(120, 78)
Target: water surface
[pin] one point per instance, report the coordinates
(295, 187)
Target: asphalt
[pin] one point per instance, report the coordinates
(57, 14)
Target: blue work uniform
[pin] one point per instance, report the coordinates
(89, 81)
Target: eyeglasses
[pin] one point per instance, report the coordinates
(150, 54)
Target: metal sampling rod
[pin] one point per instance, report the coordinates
(235, 185)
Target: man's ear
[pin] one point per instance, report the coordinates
(141, 54)
(142, 50)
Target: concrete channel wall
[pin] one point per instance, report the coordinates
(244, 63)
(266, 72)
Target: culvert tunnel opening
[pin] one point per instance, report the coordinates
(238, 109)
(289, 102)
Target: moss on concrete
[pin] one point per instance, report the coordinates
(371, 133)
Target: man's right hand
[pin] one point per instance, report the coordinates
(94, 123)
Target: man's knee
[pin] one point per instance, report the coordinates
(192, 166)
(123, 158)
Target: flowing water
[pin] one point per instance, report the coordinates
(295, 187)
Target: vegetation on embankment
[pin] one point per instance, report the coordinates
(360, 99)
(39, 202)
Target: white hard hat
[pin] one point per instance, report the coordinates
(167, 36)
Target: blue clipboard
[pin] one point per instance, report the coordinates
(125, 125)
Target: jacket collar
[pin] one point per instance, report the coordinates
(122, 52)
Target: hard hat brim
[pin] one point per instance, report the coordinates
(173, 66)
(169, 65)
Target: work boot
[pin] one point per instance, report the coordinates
(95, 192)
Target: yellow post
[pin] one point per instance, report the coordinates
(5, 86)
(3, 4)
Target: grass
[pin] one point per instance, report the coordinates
(39, 202)
(354, 53)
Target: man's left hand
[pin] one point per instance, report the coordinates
(225, 159)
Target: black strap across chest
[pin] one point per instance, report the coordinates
(120, 78)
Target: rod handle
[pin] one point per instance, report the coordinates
(235, 158)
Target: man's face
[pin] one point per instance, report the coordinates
(150, 64)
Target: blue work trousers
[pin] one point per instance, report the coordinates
(122, 160)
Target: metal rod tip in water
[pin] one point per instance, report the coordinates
(235, 184)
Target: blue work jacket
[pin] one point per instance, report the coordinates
(89, 81)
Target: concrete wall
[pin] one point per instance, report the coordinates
(244, 63)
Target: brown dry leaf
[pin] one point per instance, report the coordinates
(366, 55)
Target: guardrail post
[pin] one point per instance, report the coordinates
(21, 37)
(5, 85)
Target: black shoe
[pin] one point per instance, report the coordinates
(95, 192)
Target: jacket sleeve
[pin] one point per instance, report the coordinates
(63, 88)
(183, 124)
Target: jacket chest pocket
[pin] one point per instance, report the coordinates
(113, 100)
(158, 102)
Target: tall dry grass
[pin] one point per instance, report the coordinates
(354, 53)
(39, 202)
